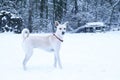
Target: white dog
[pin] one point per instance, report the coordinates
(49, 43)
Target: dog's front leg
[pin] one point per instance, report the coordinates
(57, 59)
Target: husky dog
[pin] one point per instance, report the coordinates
(51, 42)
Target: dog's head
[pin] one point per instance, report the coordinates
(61, 28)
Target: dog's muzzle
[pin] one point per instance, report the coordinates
(63, 33)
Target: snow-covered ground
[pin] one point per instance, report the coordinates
(84, 56)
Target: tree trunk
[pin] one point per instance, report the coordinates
(30, 16)
(76, 7)
(46, 3)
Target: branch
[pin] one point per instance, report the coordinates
(114, 5)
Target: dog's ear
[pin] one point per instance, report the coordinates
(66, 23)
(56, 23)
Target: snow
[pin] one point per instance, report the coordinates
(4, 18)
(84, 56)
(14, 16)
(6, 12)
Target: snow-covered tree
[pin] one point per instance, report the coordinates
(10, 22)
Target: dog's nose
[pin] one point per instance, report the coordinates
(63, 33)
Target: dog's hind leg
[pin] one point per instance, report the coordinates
(27, 57)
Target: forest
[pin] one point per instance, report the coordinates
(40, 15)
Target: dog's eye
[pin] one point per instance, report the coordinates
(60, 28)
(64, 28)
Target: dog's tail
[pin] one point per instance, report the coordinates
(25, 33)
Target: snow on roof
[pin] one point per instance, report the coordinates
(95, 24)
